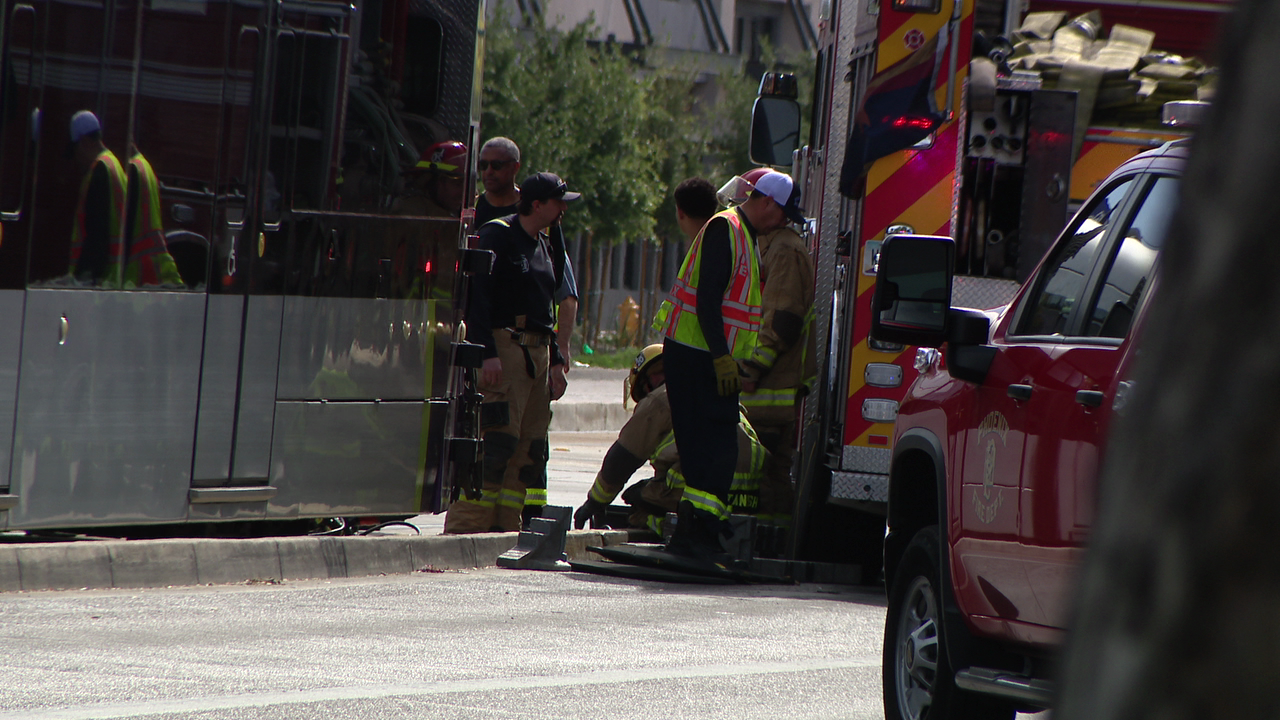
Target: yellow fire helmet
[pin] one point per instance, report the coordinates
(645, 359)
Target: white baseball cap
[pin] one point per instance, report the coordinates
(784, 192)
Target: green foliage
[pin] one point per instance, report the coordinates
(620, 131)
(581, 112)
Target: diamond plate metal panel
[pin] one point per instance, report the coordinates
(458, 19)
(980, 292)
(866, 459)
(859, 486)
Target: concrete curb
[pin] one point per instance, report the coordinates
(124, 564)
(588, 416)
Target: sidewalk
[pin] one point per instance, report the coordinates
(592, 402)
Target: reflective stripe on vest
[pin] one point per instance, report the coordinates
(535, 497)
(149, 261)
(115, 226)
(769, 397)
(510, 498)
(602, 493)
(744, 492)
(706, 502)
(740, 306)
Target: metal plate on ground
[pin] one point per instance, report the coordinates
(654, 557)
(637, 572)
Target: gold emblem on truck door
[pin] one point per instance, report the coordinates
(986, 505)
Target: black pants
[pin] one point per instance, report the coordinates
(705, 423)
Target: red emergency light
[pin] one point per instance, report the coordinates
(907, 121)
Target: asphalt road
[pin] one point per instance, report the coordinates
(481, 644)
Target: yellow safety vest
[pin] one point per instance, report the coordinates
(740, 308)
(115, 244)
(149, 261)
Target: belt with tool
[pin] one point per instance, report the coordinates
(528, 338)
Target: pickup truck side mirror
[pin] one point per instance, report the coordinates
(913, 290)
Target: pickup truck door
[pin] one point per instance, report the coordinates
(1072, 399)
(1007, 421)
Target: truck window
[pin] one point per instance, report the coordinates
(1130, 271)
(1062, 279)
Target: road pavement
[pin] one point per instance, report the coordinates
(477, 644)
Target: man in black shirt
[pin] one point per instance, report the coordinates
(510, 313)
(498, 164)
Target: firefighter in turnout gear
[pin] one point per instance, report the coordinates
(97, 235)
(647, 435)
(511, 314)
(780, 370)
(710, 321)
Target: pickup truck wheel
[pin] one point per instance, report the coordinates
(919, 683)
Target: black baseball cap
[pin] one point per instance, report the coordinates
(546, 186)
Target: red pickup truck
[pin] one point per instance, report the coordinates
(998, 443)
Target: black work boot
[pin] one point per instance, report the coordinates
(528, 513)
(697, 536)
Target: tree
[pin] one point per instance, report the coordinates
(581, 112)
(608, 122)
(1179, 595)
(616, 128)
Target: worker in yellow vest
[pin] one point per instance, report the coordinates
(148, 261)
(710, 322)
(97, 235)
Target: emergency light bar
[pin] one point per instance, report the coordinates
(918, 6)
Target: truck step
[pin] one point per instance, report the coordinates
(1008, 685)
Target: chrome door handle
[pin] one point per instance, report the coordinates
(1021, 393)
(63, 327)
(1090, 398)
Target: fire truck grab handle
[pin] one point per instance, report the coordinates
(1090, 398)
(953, 28)
(1021, 393)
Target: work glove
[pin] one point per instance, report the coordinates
(727, 375)
(592, 510)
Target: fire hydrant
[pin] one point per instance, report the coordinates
(628, 319)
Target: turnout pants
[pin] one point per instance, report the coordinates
(514, 417)
(705, 424)
(777, 494)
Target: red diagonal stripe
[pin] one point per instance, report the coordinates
(921, 173)
(891, 20)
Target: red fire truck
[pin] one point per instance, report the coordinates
(988, 122)
(298, 360)
(949, 136)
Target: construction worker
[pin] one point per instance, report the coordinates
(780, 369)
(97, 235)
(710, 322)
(434, 186)
(510, 313)
(148, 261)
(647, 435)
(498, 164)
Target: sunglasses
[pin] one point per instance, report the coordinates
(495, 164)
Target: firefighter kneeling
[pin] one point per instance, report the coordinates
(648, 435)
